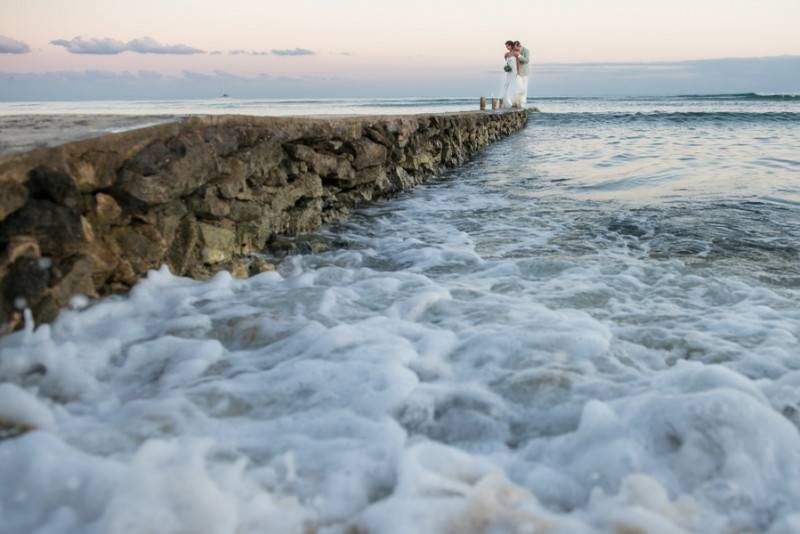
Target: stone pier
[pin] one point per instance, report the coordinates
(203, 194)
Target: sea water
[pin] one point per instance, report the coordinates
(591, 327)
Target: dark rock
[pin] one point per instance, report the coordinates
(56, 228)
(26, 282)
(54, 185)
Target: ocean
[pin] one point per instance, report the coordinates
(592, 326)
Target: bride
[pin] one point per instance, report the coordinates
(513, 90)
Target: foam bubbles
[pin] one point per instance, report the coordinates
(477, 360)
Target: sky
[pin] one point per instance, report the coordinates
(149, 48)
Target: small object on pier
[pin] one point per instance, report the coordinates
(494, 103)
(501, 103)
(483, 103)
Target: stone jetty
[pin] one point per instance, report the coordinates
(203, 194)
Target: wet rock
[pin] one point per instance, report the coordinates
(259, 265)
(26, 282)
(219, 244)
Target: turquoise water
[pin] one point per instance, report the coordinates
(593, 326)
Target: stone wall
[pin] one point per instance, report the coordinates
(203, 194)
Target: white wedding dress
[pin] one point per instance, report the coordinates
(513, 90)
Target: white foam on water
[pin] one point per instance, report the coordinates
(473, 362)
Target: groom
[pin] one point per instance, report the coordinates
(524, 56)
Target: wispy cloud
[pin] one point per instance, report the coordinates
(293, 52)
(108, 46)
(12, 46)
(248, 53)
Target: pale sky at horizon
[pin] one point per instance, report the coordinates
(383, 47)
(389, 39)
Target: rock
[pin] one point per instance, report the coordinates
(14, 196)
(106, 209)
(54, 185)
(163, 172)
(262, 158)
(306, 185)
(88, 178)
(26, 282)
(182, 246)
(56, 228)
(376, 175)
(208, 205)
(18, 246)
(380, 136)
(224, 141)
(219, 244)
(76, 279)
(240, 269)
(141, 245)
(244, 211)
(258, 265)
(368, 153)
(233, 184)
(320, 163)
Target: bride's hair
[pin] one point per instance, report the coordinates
(509, 43)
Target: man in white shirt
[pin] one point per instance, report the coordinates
(524, 56)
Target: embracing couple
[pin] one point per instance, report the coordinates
(515, 91)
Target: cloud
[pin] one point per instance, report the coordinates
(148, 45)
(293, 52)
(248, 53)
(79, 45)
(107, 46)
(12, 46)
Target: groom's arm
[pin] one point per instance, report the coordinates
(523, 57)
